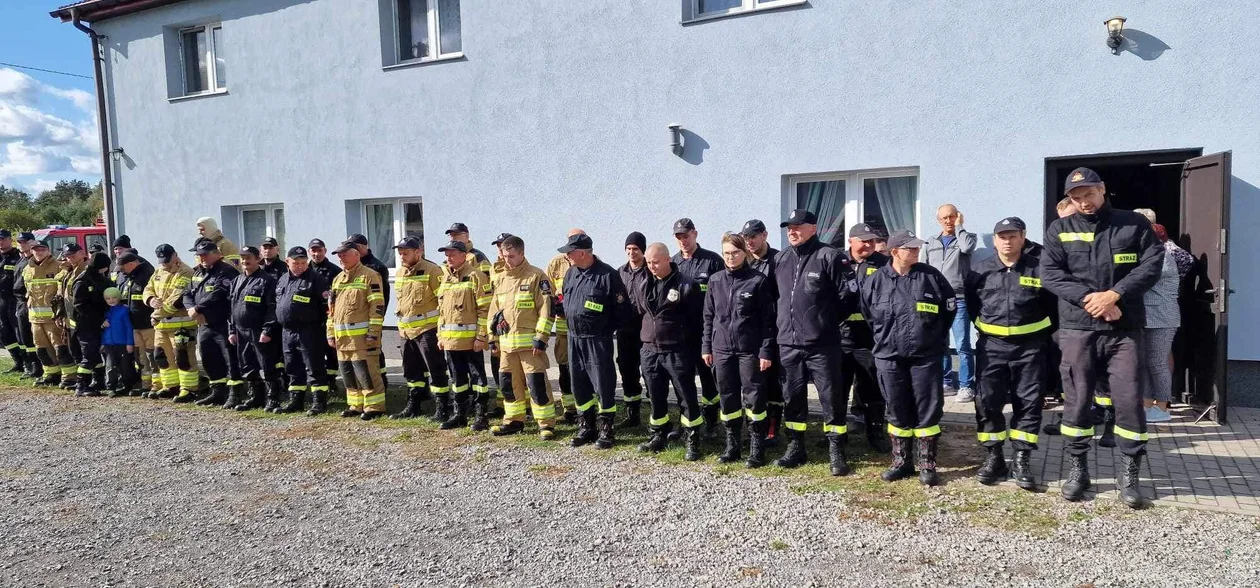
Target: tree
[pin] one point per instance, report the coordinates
(70, 202)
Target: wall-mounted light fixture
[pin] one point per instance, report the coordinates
(1115, 33)
(116, 154)
(675, 133)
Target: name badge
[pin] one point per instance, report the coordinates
(595, 306)
(253, 299)
(300, 298)
(1030, 282)
(927, 307)
(1126, 258)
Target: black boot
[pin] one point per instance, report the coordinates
(275, 394)
(632, 416)
(297, 401)
(659, 439)
(508, 428)
(441, 408)
(218, 395)
(84, 387)
(927, 461)
(319, 403)
(604, 423)
(481, 420)
(757, 444)
(235, 396)
(994, 468)
(99, 383)
(794, 456)
(692, 437)
(835, 449)
(49, 380)
(1128, 478)
(711, 421)
(1021, 470)
(877, 435)
(733, 450)
(19, 362)
(901, 467)
(172, 392)
(415, 396)
(257, 397)
(586, 429)
(459, 413)
(350, 413)
(1077, 479)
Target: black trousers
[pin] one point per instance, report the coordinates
(708, 385)
(824, 366)
(75, 350)
(218, 356)
(858, 371)
(257, 361)
(592, 373)
(331, 370)
(468, 370)
(88, 342)
(916, 394)
(120, 367)
(629, 345)
(305, 353)
(741, 385)
(9, 325)
(24, 333)
(1093, 357)
(424, 364)
(775, 379)
(660, 369)
(1010, 369)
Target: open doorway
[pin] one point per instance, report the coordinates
(1141, 179)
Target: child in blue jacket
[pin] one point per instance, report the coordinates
(117, 345)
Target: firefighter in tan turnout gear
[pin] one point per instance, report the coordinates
(41, 279)
(464, 298)
(520, 316)
(424, 367)
(356, 316)
(175, 338)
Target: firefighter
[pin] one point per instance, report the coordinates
(208, 302)
(671, 305)
(271, 262)
(856, 342)
(633, 273)
(496, 269)
(174, 354)
(463, 300)
(1013, 315)
(85, 313)
(33, 367)
(910, 307)
(424, 366)
(41, 280)
(209, 229)
(356, 316)
(301, 310)
(556, 270)
(122, 245)
(135, 274)
(700, 265)
(1099, 262)
(521, 310)
(369, 259)
(72, 261)
(254, 333)
(739, 336)
(459, 232)
(10, 256)
(319, 262)
(761, 258)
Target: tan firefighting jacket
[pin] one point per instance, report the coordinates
(417, 288)
(464, 298)
(168, 285)
(231, 253)
(43, 281)
(356, 309)
(556, 269)
(523, 295)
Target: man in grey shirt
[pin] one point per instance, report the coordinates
(950, 252)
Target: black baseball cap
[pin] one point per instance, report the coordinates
(456, 245)
(408, 243)
(123, 241)
(25, 236)
(270, 242)
(251, 250)
(40, 243)
(683, 225)
(69, 248)
(578, 241)
(164, 252)
(347, 245)
(204, 246)
(501, 237)
(799, 216)
(315, 243)
(457, 228)
(904, 240)
(1081, 176)
(863, 232)
(127, 258)
(299, 252)
(5, 234)
(753, 227)
(357, 239)
(1010, 223)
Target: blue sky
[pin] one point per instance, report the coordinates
(48, 126)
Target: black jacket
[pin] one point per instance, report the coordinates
(1009, 301)
(375, 264)
(672, 312)
(1110, 250)
(765, 265)
(739, 314)
(910, 316)
(631, 278)
(815, 288)
(327, 269)
(274, 267)
(855, 333)
(209, 292)
(132, 287)
(8, 266)
(253, 299)
(595, 299)
(87, 307)
(19, 286)
(302, 300)
(702, 266)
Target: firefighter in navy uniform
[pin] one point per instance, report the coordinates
(424, 366)
(328, 270)
(207, 302)
(356, 317)
(629, 346)
(10, 256)
(302, 310)
(910, 307)
(556, 270)
(699, 264)
(597, 305)
(271, 262)
(134, 276)
(761, 258)
(1100, 262)
(1013, 315)
(255, 333)
(33, 367)
(85, 313)
(857, 341)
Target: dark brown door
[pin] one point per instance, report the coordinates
(1205, 311)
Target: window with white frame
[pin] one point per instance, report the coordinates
(427, 29)
(385, 222)
(886, 199)
(701, 9)
(261, 221)
(201, 55)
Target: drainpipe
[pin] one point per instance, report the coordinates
(111, 225)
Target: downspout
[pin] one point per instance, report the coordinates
(98, 58)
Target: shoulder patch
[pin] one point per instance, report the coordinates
(951, 303)
(545, 286)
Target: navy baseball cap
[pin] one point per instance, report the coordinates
(753, 227)
(457, 228)
(683, 225)
(298, 251)
(578, 241)
(347, 245)
(1010, 223)
(315, 243)
(408, 243)
(25, 236)
(5, 234)
(454, 245)
(69, 248)
(270, 242)
(799, 216)
(905, 240)
(164, 252)
(251, 250)
(501, 237)
(205, 246)
(127, 258)
(42, 243)
(357, 239)
(1081, 176)
(863, 232)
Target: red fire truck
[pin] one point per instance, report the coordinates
(86, 237)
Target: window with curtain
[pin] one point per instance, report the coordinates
(258, 222)
(378, 223)
(889, 203)
(826, 200)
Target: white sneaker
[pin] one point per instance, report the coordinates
(965, 395)
(1155, 414)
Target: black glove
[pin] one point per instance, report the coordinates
(499, 324)
(540, 345)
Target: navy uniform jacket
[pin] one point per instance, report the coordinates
(672, 312)
(1009, 301)
(631, 278)
(855, 333)
(209, 291)
(8, 271)
(765, 265)
(87, 300)
(702, 266)
(274, 267)
(327, 269)
(739, 314)
(815, 288)
(1110, 250)
(910, 316)
(595, 300)
(132, 287)
(302, 300)
(253, 298)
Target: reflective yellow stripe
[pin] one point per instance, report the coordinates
(686, 422)
(1120, 258)
(420, 384)
(1030, 282)
(585, 406)
(794, 425)
(376, 297)
(899, 432)
(139, 297)
(748, 412)
(1019, 435)
(926, 307)
(1102, 400)
(253, 299)
(855, 317)
(1086, 237)
(1013, 330)
(1131, 435)
(518, 340)
(541, 324)
(1070, 431)
(484, 300)
(301, 298)
(608, 410)
(998, 436)
(350, 286)
(548, 411)
(837, 429)
(730, 416)
(658, 422)
(595, 306)
(928, 432)
(514, 409)
(710, 401)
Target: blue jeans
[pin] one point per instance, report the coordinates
(962, 342)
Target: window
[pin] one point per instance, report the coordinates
(260, 222)
(385, 222)
(427, 29)
(703, 9)
(200, 50)
(885, 199)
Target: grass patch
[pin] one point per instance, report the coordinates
(778, 545)
(548, 471)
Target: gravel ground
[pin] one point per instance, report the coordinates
(100, 492)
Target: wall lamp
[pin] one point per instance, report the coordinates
(116, 154)
(675, 133)
(1115, 33)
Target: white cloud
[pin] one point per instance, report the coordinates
(37, 142)
(39, 186)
